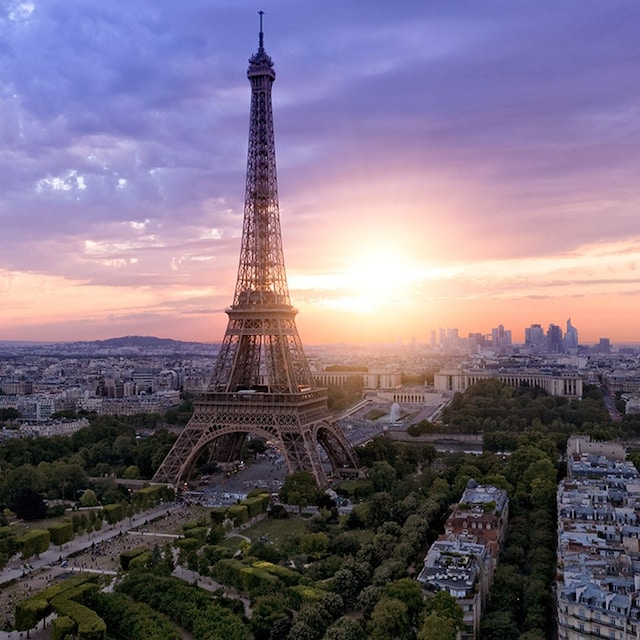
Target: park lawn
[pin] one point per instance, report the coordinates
(233, 543)
(277, 530)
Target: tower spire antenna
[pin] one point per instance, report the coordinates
(261, 41)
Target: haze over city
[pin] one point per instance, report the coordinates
(440, 164)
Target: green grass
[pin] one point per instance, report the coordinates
(277, 530)
(232, 543)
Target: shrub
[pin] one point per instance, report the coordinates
(127, 556)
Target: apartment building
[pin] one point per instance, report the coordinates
(463, 559)
(598, 578)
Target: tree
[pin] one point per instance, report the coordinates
(266, 611)
(389, 570)
(444, 605)
(123, 449)
(310, 624)
(89, 498)
(300, 488)
(8, 414)
(537, 604)
(499, 625)
(533, 634)
(368, 598)
(344, 629)
(132, 472)
(507, 589)
(377, 449)
(382, 476)
(379, 509)
(346, 583)
(315, 544)
(410, 593)
(437, 627)
(29, 505)
(389, 620)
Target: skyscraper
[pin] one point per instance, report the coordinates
(570, 337)
(554, 338)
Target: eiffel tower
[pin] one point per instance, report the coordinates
(261, 382)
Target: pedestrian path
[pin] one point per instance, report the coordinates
(17, 569)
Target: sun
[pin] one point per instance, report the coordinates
(374, 282)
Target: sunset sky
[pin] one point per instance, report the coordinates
(441, 164)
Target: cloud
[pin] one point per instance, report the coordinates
(464, 132)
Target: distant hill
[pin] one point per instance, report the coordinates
(141, 345)
(142, 341)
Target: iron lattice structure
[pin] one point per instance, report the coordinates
(261, 382)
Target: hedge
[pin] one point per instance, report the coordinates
(218, 515)
(141, 561)
(114, 512)
(239, 513)
(127, 556)
(8, 544)
(258, 582)
(34, 542)
(186, 605)
(257, 504)
(131, 619)
(62, 627)
(148, 497)
(61, 532)
(197, 532)
(288, 576)
(90, 626)
(30, 611)
(303, 594)
(187, 544)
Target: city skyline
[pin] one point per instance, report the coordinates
(438, 165)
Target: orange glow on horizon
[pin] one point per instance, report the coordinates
(378, 296)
